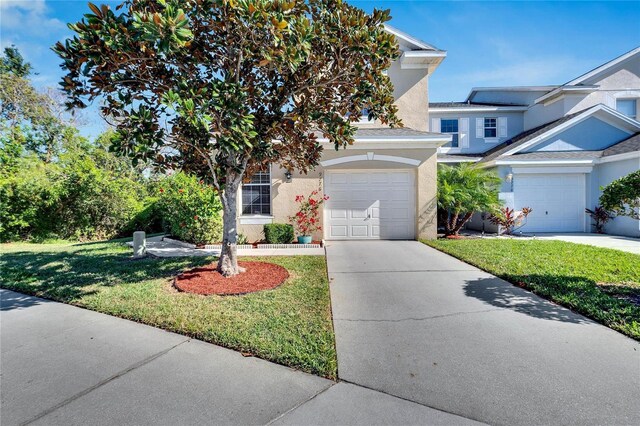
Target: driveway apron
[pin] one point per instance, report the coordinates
(418, 324)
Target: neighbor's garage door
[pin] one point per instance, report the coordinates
(557, 200)
(370, 204)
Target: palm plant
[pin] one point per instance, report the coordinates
(464, 190)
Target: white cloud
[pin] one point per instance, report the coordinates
(28, 16)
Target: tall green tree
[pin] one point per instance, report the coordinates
(27, 117)
(222, 88)
(464, 190)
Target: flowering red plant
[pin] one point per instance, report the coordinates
(307, 219)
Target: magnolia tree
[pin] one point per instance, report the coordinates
(222, 88)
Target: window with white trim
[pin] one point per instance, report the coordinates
(256, 195)
(490, 127)
(627, 107)
(450, 126)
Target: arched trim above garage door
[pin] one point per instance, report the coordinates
(370, 156)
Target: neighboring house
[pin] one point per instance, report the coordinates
(554, 146)
(381, 187)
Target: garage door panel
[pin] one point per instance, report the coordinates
(370, 205)
(338, 231)
(557, 201)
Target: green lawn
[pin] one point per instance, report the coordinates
(597, 282)
(290, 325)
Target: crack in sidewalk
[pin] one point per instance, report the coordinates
(413, 318)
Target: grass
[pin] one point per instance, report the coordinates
(602, 284)
(290, 325)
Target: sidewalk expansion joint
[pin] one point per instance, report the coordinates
(410, 400)
(103, 382)
(301, 403)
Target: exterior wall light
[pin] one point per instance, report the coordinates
(287, 176)
(509, 177)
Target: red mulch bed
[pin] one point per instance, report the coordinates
(207, 280)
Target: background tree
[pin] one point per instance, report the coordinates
(622, 196)
(29, 119)
(222, 88)
(464, 190)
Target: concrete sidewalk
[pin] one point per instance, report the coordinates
(416, 323)
(628, 244)
(62, 365)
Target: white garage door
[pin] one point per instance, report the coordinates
(557, 200)
(370, 204)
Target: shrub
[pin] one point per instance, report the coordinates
(509, 219)
(307, 220)
(600, 217)
(622, 196)
(191, 210)
(278, 233)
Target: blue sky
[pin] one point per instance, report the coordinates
(488, 43)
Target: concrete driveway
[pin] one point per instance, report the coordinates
(632, 245)
(418, 324)
(62, 365)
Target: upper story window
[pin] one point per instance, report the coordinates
(627, 107)
(256, 195)
(490, 127)
(450, 126)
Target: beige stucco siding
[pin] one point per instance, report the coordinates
(283, 193)
(410, 91)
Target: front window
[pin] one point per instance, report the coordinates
(450, 126)
(627, 107)
(256, 195)
(490, 127)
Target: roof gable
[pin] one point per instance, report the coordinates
(532, 137)
(590, 134)
(603, 70)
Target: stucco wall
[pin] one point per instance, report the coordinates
(410, 91)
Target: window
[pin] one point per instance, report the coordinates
(627, 107)
(490, 127)
(450, 126)
(256, 195)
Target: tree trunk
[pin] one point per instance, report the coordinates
(462, 221)
(228, 262)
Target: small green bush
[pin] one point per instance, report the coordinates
(278, 233)
(191, 210)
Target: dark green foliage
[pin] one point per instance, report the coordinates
(622, 196)
(462, 191)
(278, 233)
(12, 62)
(191, 209)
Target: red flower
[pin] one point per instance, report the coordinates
(161, 190)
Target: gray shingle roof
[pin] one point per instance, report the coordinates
(460, 157)
(563, 155)
(525, 137)
(382, 132)
(628, 145)
(470, 104)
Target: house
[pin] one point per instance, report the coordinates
(553, 146)
(381, 187)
